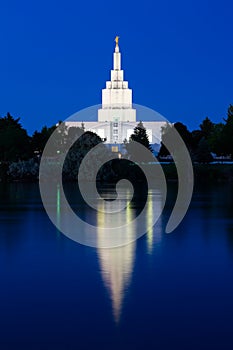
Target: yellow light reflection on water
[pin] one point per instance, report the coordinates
(149, 219)
(58, 205)
(154, 209)
(116, 264)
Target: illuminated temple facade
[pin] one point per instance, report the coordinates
(117, 118)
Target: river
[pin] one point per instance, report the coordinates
(163, 291)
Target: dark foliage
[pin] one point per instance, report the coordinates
(140, 136)
(14, 140)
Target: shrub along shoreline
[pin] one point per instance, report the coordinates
(28, 171)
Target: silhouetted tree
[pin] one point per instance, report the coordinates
(14, 140)
(78, 151)
(40, 138)
(207, 128)
(185, 134)
(167, 132)
(215, 140)
(139, 135)
(227, 133)
(202, 153)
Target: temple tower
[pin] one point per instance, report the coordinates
(116, 99)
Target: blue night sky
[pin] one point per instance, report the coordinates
(56, 56)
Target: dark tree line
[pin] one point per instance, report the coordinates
(14, 140)
(20, 153)
(16, 144)
(211, 139)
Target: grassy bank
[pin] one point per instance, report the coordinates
(118, 169)
(204, 172)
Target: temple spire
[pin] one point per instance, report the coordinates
(117, 40)
(117, 55)
(117, 43)
(116, 98)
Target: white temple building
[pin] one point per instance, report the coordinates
(117, 99)
(116, 119)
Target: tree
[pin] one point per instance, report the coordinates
(207, 128)
(202, 152)
(73, 133)
(185, 134)
(167, 132)
(78, 151)
(40, 138)
(140, 136)
(215, 140)
(57, 145)
(14, 140)
(197, 135)
(202, 142)
(227, 133)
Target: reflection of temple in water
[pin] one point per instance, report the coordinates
(116, 264)
(116, 268)
(153, 233)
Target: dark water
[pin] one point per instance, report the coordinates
(162, 292)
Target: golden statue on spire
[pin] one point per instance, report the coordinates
(117, 40)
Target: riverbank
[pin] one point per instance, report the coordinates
(118, 169)
(203, 172)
